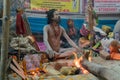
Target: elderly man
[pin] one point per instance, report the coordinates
(116, 30)
(52, 37)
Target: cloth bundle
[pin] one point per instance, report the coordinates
(21, 43)
(32, 62)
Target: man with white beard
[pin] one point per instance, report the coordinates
(116, 30)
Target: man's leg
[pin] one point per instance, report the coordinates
(66, 52)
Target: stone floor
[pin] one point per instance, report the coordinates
(104, 62)
(112, 64)
(59, 77)
(75, 77)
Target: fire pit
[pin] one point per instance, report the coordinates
(71, 69)
(61, 69)
(65, 70)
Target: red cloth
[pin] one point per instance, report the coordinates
(20, 25)
(84, 31)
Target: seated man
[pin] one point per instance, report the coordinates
(72, 32)
(114, 50)
(52, 36)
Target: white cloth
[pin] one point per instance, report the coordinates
(96, 29)
(106, 43)
(21, 43)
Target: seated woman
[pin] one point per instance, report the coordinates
(114, 50)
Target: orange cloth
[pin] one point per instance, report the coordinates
(114, 53)
(115, 56)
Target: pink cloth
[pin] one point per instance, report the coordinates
(84, 31)
(42, 46)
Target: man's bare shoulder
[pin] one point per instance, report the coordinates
(62, 27)
(46, 26)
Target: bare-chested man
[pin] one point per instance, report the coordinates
(52, 36)
(116, 30)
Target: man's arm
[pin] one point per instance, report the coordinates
(45, 38)
(69, 40)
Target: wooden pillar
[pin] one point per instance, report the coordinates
(5, 38)
(90, 24)
(91, 20)
(90, 14)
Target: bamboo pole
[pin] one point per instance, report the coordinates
(5, 38)
(90, 24)
(90, 12)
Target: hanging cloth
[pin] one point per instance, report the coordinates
(20, 25)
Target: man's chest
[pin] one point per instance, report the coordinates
(54, 33)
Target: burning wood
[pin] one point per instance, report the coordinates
(70, 70)
(15, 67)
(88, 55)
(77, 62)
(17, 71)
(68, 67)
